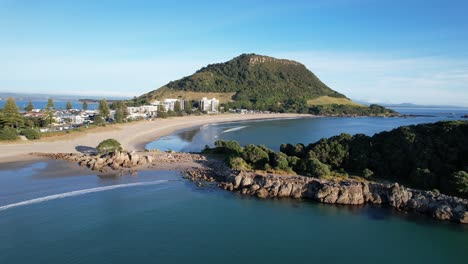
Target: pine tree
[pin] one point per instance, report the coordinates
(29, 107)
(85, 106)
(69, 105)
(50, 104)
(104, 109)
(10, 115)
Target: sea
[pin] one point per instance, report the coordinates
(41, 104)
(51, 215)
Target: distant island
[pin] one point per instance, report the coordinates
(262, 83)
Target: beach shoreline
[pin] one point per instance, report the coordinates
(132, 136)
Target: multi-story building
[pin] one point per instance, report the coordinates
(209, 105)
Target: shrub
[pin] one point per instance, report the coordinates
(255, 155)
(8, 133)
(228, 147)
(460, 182)
(314, 168)
(31, 134)
(238, 163)
(280, 161)
(108, 146)
(366, 173)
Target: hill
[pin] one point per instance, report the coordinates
(255, 82)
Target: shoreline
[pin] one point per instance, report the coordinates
(132, 136)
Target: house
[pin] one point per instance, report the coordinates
(169, 104)
(209, 105)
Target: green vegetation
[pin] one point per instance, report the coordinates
(426, 156)
(31, 134)
(256, 82)
(10, 115)
(338, 110)
(50, 104)
(104, 109)
(69, 105)
(8, 133)
(121, 112)
(29, 107)
(85, 106)
(109, 146)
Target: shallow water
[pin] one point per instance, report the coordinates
(175, 221)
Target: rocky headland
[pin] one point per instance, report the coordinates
(349, 192)
(267, 185)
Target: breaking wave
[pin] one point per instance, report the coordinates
(234, 129)
(79, 192)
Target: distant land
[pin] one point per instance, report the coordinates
(56, 97)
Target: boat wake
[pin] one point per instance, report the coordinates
(233, 129)
(79, 192)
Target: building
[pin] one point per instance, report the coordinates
(142, 111)
(169, 104)
(209, 105)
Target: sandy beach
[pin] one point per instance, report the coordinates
(133, 136)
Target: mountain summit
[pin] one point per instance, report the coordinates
(250, 77)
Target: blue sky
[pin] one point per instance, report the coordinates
(377, 51)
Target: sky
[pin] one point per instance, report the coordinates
(370, 50)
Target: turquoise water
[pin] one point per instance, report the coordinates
(176, 222)
(51, 215)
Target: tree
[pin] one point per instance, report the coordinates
(177, 107)
(460, 182)
(10, 115)
(29, 107)
(104, 109)
(121, 112)
(50, 104)
(85, 106)
(108, 146)
(69, 105)
(255, 155)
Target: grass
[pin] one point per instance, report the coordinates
(327, 100)
(164, 92)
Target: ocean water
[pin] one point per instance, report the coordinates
(158, 217)
(272, 133)
(51, 215)
(58, 104)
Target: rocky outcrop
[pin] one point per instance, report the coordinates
(121, 159)
(349, 192)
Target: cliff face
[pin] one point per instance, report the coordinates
(350, 192)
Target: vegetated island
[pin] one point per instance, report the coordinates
(262, 83)
(344, 169)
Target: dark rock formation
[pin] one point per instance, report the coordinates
(350, 192)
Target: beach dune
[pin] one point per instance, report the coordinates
(133, 136)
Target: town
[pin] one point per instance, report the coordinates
(54, 119)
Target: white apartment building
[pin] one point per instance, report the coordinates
(209, 105)
(169, 104)
(143, 111)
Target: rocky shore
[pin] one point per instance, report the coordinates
(122, 160)
(349, 192)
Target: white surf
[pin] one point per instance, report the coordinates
(79, 192)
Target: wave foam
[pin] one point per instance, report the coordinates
(234, 129)
(79, 192)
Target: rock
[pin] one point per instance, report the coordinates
(262, 193)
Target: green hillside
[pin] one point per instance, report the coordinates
(258, 82)
(253, 77)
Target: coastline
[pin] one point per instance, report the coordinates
(132, 136)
